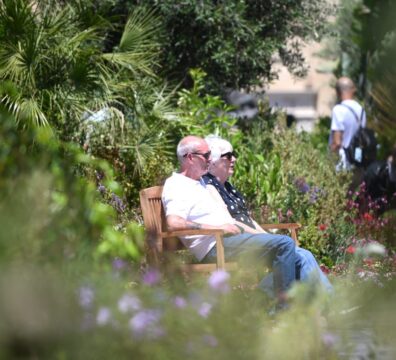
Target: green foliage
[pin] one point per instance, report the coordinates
(51, 213)
(259, 177)
(53, 68)
(313, 191)
(98, 317)
(234, 42)
(203, 114)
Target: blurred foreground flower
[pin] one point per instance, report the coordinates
(128, 302)
(205, 309)
(210, 340)
(180, 302)
(219, 281)
(86, 297)
(104, 316)
(146, 324)
(119, 264)
(151, 277)
(329, 339)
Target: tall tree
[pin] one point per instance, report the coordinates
(235, 42)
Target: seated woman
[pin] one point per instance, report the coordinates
(220, 169)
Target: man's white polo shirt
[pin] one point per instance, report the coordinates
(191, 200)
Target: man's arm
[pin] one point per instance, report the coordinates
(337, 140)
(178, 223)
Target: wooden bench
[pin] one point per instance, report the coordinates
(160, 241)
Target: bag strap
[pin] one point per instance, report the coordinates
(354, 114)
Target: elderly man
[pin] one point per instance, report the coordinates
(189, 204)
(346, 118)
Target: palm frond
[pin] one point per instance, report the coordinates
(145, 146)
(141, 31)
(133, 61)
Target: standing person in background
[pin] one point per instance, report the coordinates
(345, 120)
(220, 169)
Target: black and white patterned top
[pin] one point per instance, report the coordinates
(234, 200)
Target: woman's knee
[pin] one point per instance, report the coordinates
(304, 253)
(286, 242)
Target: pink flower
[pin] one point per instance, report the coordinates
(369, 262)
(367, 217)
(325, 269)
(322, 227)
(350, 249)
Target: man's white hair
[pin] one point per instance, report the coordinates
(186, 147)
(218, 146)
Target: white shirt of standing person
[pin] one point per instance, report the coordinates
(343, 119)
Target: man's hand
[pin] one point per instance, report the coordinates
(230, 229)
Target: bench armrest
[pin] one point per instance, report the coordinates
(281, 226)
(288, 226)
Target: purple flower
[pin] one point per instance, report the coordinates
(219, 281)
(301, 185)
(151, 277)
(180, 302)
(205, 309)
(117, 203)
(210, 340)
(329, 339)
(104, 316)
(86, 297)
(101, 189)
(128, 302)
(119, 264)
(146, 324)
(313, 198)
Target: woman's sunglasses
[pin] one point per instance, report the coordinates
(229, 155)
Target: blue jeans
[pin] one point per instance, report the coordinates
(277, 251)
(307, 269)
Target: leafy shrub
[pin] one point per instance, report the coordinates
(313, 191)
(50, 212)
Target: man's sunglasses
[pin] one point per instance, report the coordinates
(205, 155)
(229, 155)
